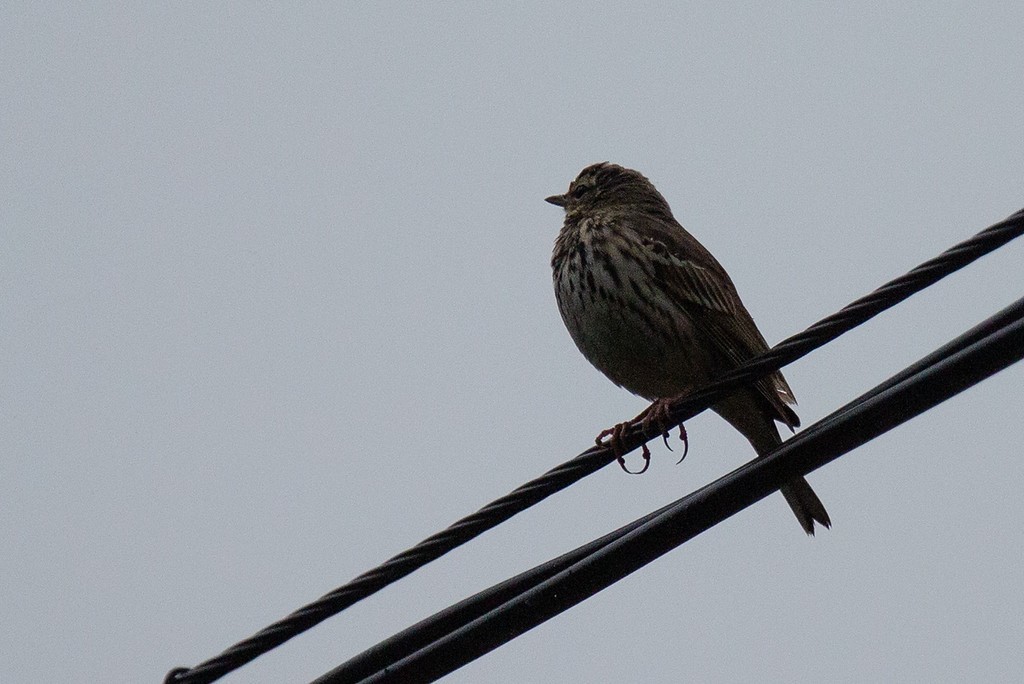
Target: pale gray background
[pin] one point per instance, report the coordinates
(276, 304)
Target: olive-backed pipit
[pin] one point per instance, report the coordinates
(653, 310)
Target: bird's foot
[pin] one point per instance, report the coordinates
(657, 416)
(614, 435)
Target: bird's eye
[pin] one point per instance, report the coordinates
(578, 191)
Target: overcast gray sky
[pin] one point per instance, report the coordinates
(275, 304)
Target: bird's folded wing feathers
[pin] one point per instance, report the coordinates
(699, 285)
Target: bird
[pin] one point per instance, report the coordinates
(650, 307)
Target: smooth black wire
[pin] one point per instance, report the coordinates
(860, 421)
(444, 622)
(596, 457)
(452, 618)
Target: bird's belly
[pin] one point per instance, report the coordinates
(647, 346)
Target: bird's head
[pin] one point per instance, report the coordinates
(610, 187)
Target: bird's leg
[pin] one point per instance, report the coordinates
(614, 435)
(657, 415)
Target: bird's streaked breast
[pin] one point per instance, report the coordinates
(616, 313)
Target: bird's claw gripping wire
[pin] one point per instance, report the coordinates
(656, 416)
(614, 435)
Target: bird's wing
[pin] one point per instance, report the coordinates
(698, 284)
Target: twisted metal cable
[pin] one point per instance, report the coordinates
(593, 459)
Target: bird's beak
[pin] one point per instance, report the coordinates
(557, 200)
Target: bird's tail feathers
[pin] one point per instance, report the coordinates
(805, 504)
